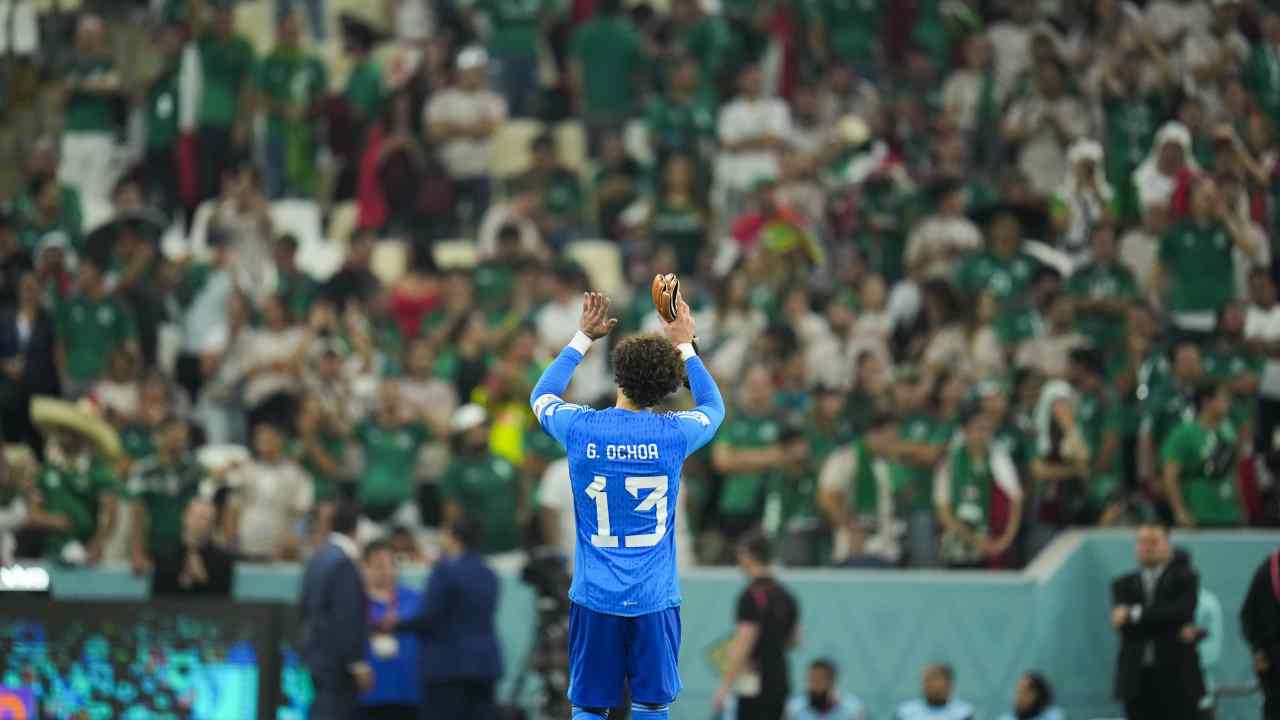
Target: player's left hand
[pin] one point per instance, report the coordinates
(595, 322)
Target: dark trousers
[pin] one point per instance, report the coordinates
(764, 707)
(458, 700)
(1267, 422)
(1157, 699)
(217, 153)
(390, 712)
(335, 704)
(1270, 683)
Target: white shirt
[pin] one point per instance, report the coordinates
(556, 323)
(937, 233)
(466, 157)
(272, 497)
(744, 119)
(1003, 473)
(1043, 157)
(1010, 47)
(1264, 324)
(961, 95)
(1139, 251)
(204, 322)
(263, 346)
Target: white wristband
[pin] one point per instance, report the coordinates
(686, 350)
(581, 342)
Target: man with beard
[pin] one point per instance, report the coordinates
(1200, 464)
(822, 700)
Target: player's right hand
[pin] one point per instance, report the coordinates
(681, 329)
(595, 322)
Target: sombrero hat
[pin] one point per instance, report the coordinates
(49, 413)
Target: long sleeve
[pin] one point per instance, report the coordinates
(432, 606)
(1258, 614)
(1209, 619)
(699, 425)
(349, 621)
(553, 413)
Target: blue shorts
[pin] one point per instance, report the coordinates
(606, 649)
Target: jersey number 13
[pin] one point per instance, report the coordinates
(655, 500)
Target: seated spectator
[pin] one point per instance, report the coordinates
(560, 196)
(321, 451)
(462, 120)
(962, 91)
(194, 565)
(354, 282)
(842, 92)
(518, 210)
(397, 690)
(270, 497)
(1043, 123)
(293, 284)
(779, 233)
(272, 357)
(938, 702)
(480, 485)
(681, 219)
(941, 238)
(160, 487)
(427, 394)
(1199, 464)
(978, 496)
(855, 493)
(1033, 700)
(90, 325)
(822, 699)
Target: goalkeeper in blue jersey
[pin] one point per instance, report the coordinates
(624, 466)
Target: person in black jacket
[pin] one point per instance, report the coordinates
(198, 567)
(1157, 675)
(335, 630)
(1260, 622)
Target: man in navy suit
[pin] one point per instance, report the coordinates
(335, 628)
(459, 657)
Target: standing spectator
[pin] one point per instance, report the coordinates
(845, 33)
(969, 93)
(321, 452)
(513, 41)
(1083, 201)
(1043, 124)
(49, 208)
(193, 564)
(160, 488)
(361, 102)
(751, 453)
(27, 341)
(462, 120)
(822, 699)
(354, 282)
(335, 629)
(1033, 700)
(1260, 624)
(975, 488)
(397, 690)
(90, 326)
(1199, 464)
(317, 15)
(272, 357)
(1262, 333)
(201, 298)
(460, 658)
(1167, 173)
(606, 55)
(290, 84)
(1195, 259)
(615, 187)
(1157, 674)
(89, 128)
(681, 219)
(294, 286)
(243, 219)
(752, 130)
(855, 493)
(938, 702)
(680, 121)
(391, 439)
(767, 626)
(480, 485)
(922, 442)
(1102, 290)
(163, 94)
(1131, 111)
(943, 236)
(1261, 73)
(226, 74)
(271, 497)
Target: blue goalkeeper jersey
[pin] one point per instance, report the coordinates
(624, 467)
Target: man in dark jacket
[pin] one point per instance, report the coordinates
(1260, 621)
(1157, 675)
(335, 628)
(459, 657)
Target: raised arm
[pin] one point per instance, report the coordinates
(699, 425)
(553, 413)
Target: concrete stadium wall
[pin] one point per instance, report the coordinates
(882, 627)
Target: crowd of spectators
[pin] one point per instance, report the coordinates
(970, 272)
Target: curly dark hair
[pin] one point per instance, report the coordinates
(647, 368)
